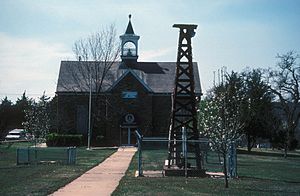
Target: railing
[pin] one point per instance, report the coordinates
(46, 155)
(9, 143)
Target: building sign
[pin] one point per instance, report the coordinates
(129, 119)
(129, 94)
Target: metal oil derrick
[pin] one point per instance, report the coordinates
(183, 125)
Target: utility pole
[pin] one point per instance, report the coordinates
(90, 113)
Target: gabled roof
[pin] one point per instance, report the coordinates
(158, 76)
(127, 72)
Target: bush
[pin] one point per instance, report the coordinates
(293, 144)
(55, 139)
(100, 141)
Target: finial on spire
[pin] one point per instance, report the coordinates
(129, 29)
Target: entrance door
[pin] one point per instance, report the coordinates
(127, 136)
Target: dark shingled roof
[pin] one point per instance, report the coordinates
(159, 76)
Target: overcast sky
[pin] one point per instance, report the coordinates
(36, 35)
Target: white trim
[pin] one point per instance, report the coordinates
(135, 75)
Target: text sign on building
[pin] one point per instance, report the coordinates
(129, 94)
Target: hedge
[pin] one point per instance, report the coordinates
(55, 139)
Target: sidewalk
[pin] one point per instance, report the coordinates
(102, 179)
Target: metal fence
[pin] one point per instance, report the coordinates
(153, 153)
(46, 155)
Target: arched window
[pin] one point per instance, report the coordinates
(129, 49)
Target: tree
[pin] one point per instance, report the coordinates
(102, 50)
(37, 120)
(53, 114)
(256, 107)
(6, 116)
(284, 83)
(220, 118)
(12, 115)
(22, 104)
(96, 54)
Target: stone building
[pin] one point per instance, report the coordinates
(133, 95)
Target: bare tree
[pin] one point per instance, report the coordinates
(98, 52)
(96, 55)
(285, 85)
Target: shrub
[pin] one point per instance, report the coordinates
(100, 141)
(293, 144)
(55, 139)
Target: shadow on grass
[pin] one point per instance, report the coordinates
(264, 153)
(269, 192)
(268, 179)
(245, 164)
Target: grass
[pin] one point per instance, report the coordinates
(42, 179)
(260, 173)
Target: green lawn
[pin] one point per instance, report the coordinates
(42, 179)
(260, 173)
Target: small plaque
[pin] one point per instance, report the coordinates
(128, 120)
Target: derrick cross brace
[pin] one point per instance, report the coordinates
(184, 114)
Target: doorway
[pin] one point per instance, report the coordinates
(127, 136)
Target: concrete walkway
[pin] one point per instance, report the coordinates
(102, 179)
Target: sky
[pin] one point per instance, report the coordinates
(36, 35)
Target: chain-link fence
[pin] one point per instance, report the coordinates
(153, 155)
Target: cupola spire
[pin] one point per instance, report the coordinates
(129, 29)
(129, 44)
